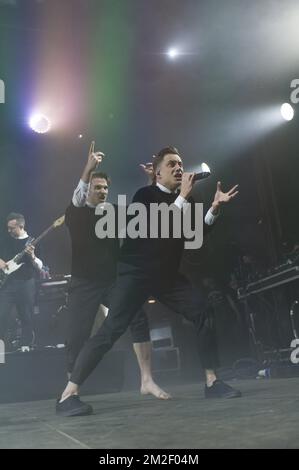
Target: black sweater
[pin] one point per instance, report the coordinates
(161, 256)
(92, 258)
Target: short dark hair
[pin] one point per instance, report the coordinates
(100, 174)
(160, 155)
(18, 217)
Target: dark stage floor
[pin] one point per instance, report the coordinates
(267, 416)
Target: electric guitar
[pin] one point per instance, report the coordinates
(15, 263)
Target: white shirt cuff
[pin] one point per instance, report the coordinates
(38, 263)
(181, 202)
(210, 217)
(80, 194)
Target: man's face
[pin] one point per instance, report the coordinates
(170, 171)
(14, 229)
(98, 191)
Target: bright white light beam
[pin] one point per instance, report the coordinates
(40, 123)
(287, 112)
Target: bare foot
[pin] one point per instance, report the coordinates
(67, 395)
(152, 388)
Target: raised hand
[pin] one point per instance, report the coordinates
(94, 158)
(148, 169)
(221, 197)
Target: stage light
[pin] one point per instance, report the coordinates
(80, 136)
(287, 111)
(40, 123)
(172, 53)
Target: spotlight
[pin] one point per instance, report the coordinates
(287, 112)
(80, 136)
(172, 53)
(39, 123)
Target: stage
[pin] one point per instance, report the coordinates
(267, 416)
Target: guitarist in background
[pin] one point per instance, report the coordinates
(19, 289)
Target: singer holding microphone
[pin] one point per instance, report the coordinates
(94, 267)
(150, 267)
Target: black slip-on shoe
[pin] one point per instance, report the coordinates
(220, 389)
(73, 406)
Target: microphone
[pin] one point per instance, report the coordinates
(204, 172)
